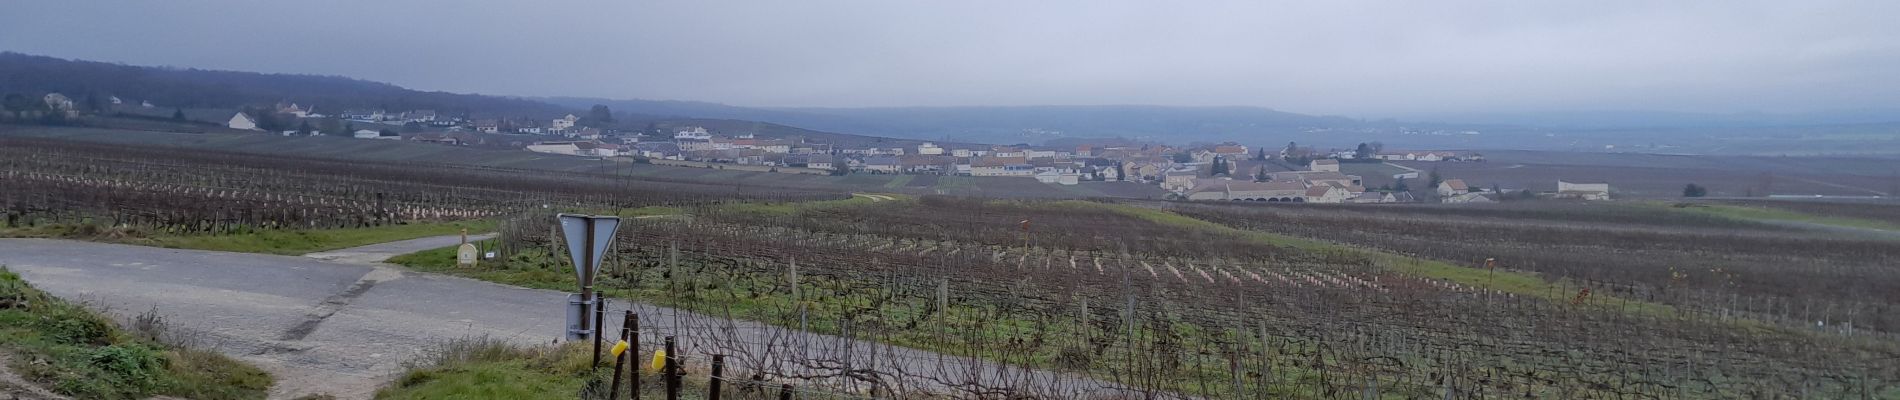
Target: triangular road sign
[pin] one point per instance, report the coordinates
(579, 243)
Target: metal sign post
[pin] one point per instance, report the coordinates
(587, 239)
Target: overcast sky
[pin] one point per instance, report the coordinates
(1365, 59)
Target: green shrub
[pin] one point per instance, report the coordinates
(69, 324)
(78, 353)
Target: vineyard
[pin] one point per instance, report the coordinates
(1234, 303)
(1693, 262)
(51, 182)
(1073, 299)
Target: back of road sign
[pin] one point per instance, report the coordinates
(575, 229)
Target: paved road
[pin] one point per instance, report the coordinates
(342, 323)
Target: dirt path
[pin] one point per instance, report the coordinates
(15, 387)
(875, 197)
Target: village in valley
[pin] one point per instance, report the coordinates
(1206, 172)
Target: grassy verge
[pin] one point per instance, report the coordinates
(479, 369)
(267, 241)
(72, 351)
(1747, 213)
(485, 369)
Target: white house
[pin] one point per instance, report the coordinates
(929, 149)
(293, 109)
(242, 121)
(58, 102)
(1179, 180)
(1467, 198)
(1586, 191)
(372, 134)
(1328, 193)
(1453, 187)
(563, 123)
(772, 146)
(1324, 165)
(563, 148)
(1373, 197)
(819, 161)
(423, 116)
(1059, 177)
(697, 133)
(363, 115)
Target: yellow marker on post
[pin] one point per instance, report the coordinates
(659, 360)
(620, 347)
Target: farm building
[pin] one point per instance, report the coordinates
(818, 161)
(1324, 165)
(1059, 177)
(1231, 190)
(1328, 193)
(564, 148)
(1319, 178)
(439, 138)
(1467, 198)
(1001, 166)
(1372, 197)
(882, 164)
(242, 121)
(1585, 191)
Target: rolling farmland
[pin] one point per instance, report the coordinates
(1143, 299)
(1239, 302)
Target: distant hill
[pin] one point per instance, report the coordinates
(209, 95)
(1014, 124)
(197, 88)
(775, 131)
(1631, 119)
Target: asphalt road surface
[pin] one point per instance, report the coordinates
(342, 323)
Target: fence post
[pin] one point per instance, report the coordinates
(600, 322)
(620, 361)
(718, 376)
(785, 392)
(633, 345)
(667, 370)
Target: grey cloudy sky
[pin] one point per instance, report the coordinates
(1357, 58)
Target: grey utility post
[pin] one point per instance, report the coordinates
(587, 239)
